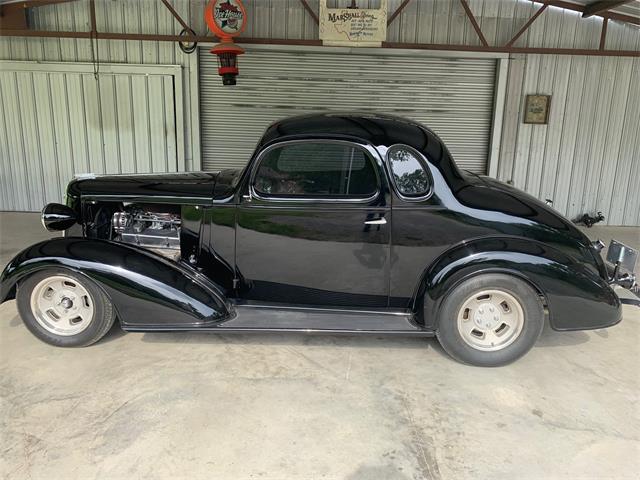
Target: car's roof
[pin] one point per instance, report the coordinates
(377, 129)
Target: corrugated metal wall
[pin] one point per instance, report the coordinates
(143, 16)
(58, 120)
(587, 159)
(525, 148)
(438, 21)
(421, 21)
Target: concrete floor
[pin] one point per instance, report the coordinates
(313, 407)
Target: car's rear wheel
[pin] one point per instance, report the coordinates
(490, 320)
(64, 308)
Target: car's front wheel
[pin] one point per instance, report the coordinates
(490, 320)
(64, 308)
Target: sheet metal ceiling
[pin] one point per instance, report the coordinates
(632, 9)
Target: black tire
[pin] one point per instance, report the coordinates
(99, 324)
(452, 340)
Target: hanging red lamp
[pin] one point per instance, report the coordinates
(227, 53)
(226, 19)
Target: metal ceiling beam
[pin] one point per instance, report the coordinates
(601, 6)
(39, 3)
(541, 51)
(526, 25)
(176, 15)
(14, 14)
(476, 27)
(310, 11)
(603, 33)
(397, 12)
(286, 41)
(92, 17)
(580, 8)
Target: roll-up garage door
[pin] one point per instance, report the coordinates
(452, 96)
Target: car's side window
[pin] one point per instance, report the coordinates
(409, 174)
(316, 169)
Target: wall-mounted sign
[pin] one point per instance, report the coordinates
(353, 27)
(536, 109)
(225, 18)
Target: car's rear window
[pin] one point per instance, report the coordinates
(409, 174)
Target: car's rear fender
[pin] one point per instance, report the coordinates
(576, 296)
(145, 288)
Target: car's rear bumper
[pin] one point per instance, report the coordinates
(625, 280)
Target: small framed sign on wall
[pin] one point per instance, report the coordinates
(536, 109)
(353, 27)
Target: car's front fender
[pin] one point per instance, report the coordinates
(576, 296)
(145, 288)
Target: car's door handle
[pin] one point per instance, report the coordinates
(377, 221)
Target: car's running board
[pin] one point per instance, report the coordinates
(271, 318)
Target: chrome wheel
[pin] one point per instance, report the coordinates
(61, 305)
(490, 320)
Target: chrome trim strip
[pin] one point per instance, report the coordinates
(225, 330)
(158, 199)
(92, 175)
(228, 199)
(404, 313)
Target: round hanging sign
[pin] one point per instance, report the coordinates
(225, 18)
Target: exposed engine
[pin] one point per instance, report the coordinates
(147, 226)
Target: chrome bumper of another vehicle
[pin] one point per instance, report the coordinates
(621, 262)
(627, 297)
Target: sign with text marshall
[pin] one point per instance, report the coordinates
(353, 27)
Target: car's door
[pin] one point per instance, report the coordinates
(313, 226)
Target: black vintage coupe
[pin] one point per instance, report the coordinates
(339, 223)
